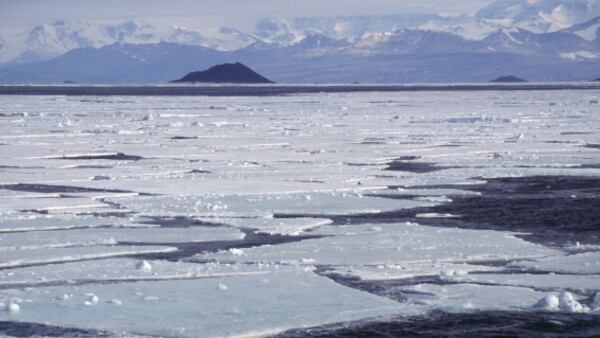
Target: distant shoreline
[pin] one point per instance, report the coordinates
(270, 90)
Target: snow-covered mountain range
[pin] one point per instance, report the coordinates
(49, 40)
(563, 36)
(46, 41)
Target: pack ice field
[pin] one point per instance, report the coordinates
(252, 216)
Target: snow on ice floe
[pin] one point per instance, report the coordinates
(34, 256)
(456, 298)
(548, 303)
(392, 244)
(109, 236)
(263, 205)
(53, 205)
(46, 222)
(198, 308)
(269, 225)
(584, 283)
(564, 302)
(121, 270)
(588, 262)
(436, 215)
(568, 303)
(383, 272)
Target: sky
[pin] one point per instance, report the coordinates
(202, 14)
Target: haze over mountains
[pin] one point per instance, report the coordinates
(544, 40)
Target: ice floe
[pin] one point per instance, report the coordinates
(193, 308)
(588, 262)
(393, 244)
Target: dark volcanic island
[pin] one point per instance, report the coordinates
(225, 73)
(508, 79)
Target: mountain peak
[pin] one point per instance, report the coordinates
(225, 73)
(589, 30)
(540, 16)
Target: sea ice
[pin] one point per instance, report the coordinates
(263, 205)
(588, 262)
(548, 303)
(394, 244)
(596, 302)
(564, 302)
(270, 225)
(144, 266)
(277, 166)
(118, 269)
(26, 257)
(550, 281)
(458, 298)
(568, 303)
(178, 308)
(406, 271)
(91, 299)
(11, 307)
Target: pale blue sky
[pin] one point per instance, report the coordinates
(22, 14)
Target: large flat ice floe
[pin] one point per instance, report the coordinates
(248, 216)
(392, 243)
(228, 305)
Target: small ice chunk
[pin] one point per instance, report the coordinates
(10, 307)
(144, 266)
(117, 302)
(236, 252)
(100, 178)
(435, 215)
(92, 299)
(14, 308)
(446, 275)
(517, 137)
(216, 206)
(565, 302)
(222, 287)
(66, 296)
(568, 303)
(596, 302)
(150, 298)
(433, 199)
(548, 303)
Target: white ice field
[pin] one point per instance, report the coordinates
(175, 233)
